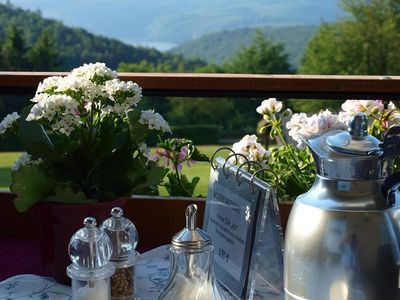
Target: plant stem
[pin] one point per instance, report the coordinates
(278, 129)
(178, 177)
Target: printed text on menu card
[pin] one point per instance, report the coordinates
(228, 226)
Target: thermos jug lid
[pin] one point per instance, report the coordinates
(356, 140)
(349, 155)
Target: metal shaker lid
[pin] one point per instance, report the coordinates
(89, 247)
(122, 233)
(356, 141)
(191, 238)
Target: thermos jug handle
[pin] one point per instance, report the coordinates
(390, 150)
(391, 143)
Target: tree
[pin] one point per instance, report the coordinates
(261, 57)
(210, 68)
(365, 42)
(13, 50)
(43, 56)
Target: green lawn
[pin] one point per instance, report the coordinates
(6, 161)
(201, 170)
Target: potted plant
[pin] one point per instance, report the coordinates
(291, 165)
(85, 141)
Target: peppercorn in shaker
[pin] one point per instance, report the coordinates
(124, 238)
(90, 271)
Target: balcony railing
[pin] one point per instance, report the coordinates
(234, 85)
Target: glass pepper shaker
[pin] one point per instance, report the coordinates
(124, 238)
(90, 271)
(191, 255)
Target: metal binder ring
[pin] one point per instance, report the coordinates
(248, 163)
(251, 185)
(226, 160)
(212, 157)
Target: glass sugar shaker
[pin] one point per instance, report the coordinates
(124, 238)
(191, 255)
(90, 271)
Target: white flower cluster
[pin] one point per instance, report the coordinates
(8, 121)
(25, 160)
(60, 102)
(93, 71)
(124, 95)
(250, 148)
(269, 105)
(300, 126)
(58, 84)
(352, 107)
(370, 108)
(60, 110)
(154, 121)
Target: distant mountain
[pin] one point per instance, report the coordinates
(217, 47)
(177, 21)
(77, 46)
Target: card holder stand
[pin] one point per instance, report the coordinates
(242, 219)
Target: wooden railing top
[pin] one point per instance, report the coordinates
(234, 85)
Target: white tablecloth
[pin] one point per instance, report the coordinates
(152, 275)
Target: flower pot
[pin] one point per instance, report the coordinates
(284, 211)
(57, 223)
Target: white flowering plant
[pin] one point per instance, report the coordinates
(290, 165)
(85, 140)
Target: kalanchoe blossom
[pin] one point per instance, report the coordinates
(250, 148)
(59, 111)
(8, 122)
(25, 160)
(116, 87)
(270, 105)
(154, 121)
(49, 85)
(300, 126)
(126, 95)
(94, 72)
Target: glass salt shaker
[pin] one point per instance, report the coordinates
(191, 255)
(90, 271)
(124, 238)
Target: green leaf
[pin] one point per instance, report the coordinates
(155, 175)
(295, 188)
(107, 134)
(31, 184)
(185, 188)
(34, 137)
(120, 140)
(64, 193)
(138, 132)
(134, 116)
(197, 156)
